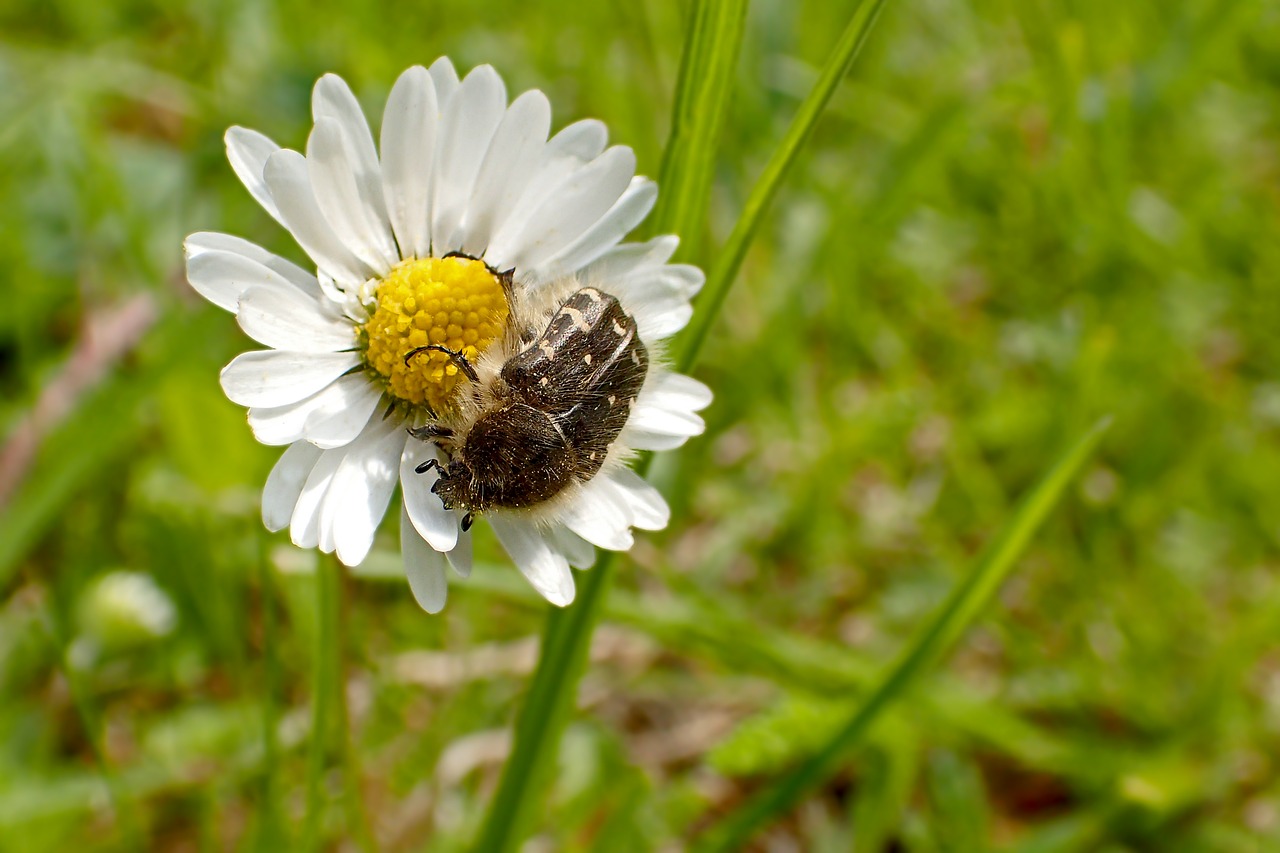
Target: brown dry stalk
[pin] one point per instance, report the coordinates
(106, 336)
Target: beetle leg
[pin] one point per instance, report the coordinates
(431, 431)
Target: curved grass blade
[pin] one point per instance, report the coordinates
(731, 256)
(961, 609)
(707, 67)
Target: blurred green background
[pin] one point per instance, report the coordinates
(1016, 216)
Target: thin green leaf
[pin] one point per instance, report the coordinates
(957, 614)
(734, 251)
(326, 670)
(270, 831)
(702, 98)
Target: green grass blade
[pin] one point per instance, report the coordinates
(566, 641)
(270, 834)
(324, 700)
(731, 256)
(957, 614)
(702, 98)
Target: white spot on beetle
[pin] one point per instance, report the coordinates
(576, 317)
(549, 351)
(619, 328)
(591, 293)
(544, 381)
(587, 358)
(612, 399)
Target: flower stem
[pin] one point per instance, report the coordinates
(324, 699)
(353, 774)
(329, 713)
(566, 640)
(270, 831)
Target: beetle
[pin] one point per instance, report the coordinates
(552, 412)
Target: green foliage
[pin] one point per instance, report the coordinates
(1011, 219)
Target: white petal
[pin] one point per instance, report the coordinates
(655, 293)
(545, 568)
(221, 277)
(445, 80)
(276, 378)
(460, 556)
(278, 425)
(361, 488)
(583, 140)
(659, 318)
(282, 317)
(648, 509)
(466, 130)
(677, 392)
(683, 279)
(288, 177)
(305, 523)
(408, 147)
(333, 99)
(563, 155)
(248, 150)
(342, 189)
(599, 516)
(573, 206)
(664, 415)
(576, 550)
(330, 418)
(284, 484)
(626, 213)
(424, 567)
(346, 410)
(643, 438)
(434, 523)
(622, 260)
(509, 164)
(654, 421)
(658, 298)
(211, 241)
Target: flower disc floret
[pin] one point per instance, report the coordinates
(453, 302)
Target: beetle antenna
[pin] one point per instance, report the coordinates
(455, 356)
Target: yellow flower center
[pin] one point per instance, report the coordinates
(452, 302)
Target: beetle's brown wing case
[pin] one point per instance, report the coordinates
(585, 369)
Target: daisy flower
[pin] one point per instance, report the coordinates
(452, 264)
